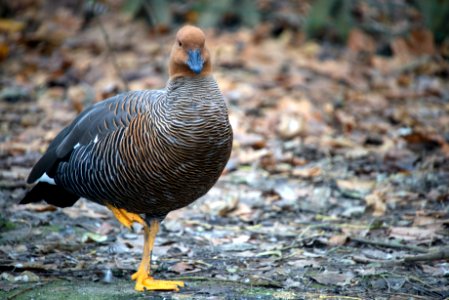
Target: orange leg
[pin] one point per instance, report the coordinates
(142, 276)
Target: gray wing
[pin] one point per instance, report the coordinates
(97, 121)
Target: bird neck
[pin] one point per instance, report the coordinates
(194, 100)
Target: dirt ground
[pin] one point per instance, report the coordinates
(337, 188)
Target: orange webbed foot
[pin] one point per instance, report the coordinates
(146, 282)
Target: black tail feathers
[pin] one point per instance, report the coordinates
(52, 194)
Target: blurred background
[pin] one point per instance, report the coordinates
(340, 112)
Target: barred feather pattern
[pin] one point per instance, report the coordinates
(166, 149)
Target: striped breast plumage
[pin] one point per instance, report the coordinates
(161, 151)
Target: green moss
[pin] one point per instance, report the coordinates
(6, 225)
(65, 289)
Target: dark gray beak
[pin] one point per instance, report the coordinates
(195, 61)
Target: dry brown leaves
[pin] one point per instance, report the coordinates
(329, 145)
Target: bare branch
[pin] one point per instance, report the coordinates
(111, 54)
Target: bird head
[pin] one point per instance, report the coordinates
(189, 55)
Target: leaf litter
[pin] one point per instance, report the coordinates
(339, 172)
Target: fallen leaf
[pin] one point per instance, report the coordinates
(356, 187)
(419, 42)
(25, 276)
(376, 204)
(7, 276)
(303, 263)
(43, 207)
(334, 278)
(286, 191)
(307, 171)
(337, 240)
(93, 237)
(182, 267)
(221, 207)
(423, 141)
(291, 126)
(413, 233)
(438, 270)
(105, 228)
(256, 141)
(358, 41)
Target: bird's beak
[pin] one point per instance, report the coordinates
(195, 61)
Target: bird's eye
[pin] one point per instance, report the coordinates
(180, 44)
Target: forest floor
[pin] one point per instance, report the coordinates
(337, 188)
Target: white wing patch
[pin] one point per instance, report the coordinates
(76, 146)
(96, 139)
(47, 179)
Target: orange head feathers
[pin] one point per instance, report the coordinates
(189, 55)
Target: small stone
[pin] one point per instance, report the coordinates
(26, 276)
(8, 277)
(107, 276)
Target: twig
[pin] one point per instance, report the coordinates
(434, 254)
(366, 260)
(112, 54)
(393, 245)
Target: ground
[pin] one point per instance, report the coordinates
(338, 184)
